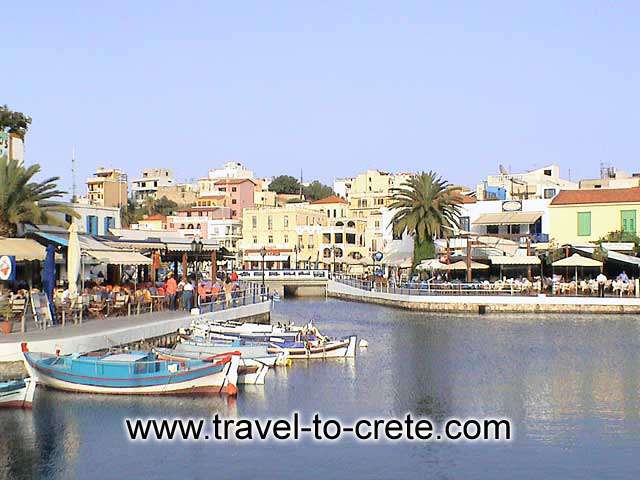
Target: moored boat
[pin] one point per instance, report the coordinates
(133, 373)
(250, 371)
(309, 350)
(17, 393)
(253, 351)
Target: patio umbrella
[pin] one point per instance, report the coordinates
(432, 264)
(462, 265)
(73, 260)
(576, 261)
(49, 276)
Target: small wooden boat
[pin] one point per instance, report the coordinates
(306, 350)
(250, 371)
(17, 393)
(250, 332)
(133, 373)
(253, 351)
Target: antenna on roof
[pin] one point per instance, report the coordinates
(503, 170)
(73, 174)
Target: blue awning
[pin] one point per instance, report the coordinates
(53, 238)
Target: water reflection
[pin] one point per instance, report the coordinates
(570, 384)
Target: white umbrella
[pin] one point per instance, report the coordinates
(73, 260)
(431, 264)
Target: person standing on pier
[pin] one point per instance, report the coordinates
(187, 295)
(171, 288)
(602, 281)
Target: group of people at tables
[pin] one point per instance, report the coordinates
(170, 293)
(557, 284)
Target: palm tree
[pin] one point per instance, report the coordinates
(427, 206)
(21, 198)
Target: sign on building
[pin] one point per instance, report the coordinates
(7, 267)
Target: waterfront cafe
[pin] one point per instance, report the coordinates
(22, 262)
(182, 255)
(100, 262)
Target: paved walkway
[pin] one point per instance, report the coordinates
(99, 334)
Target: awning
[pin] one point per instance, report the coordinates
(282, 257)
(53, 238)
(462, 265)
(577, 260)
(22, 248)
(115, 257)
(508, 218)
(431, 264)
(614, 256)
(515, 260)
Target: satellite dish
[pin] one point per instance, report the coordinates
(503, 170)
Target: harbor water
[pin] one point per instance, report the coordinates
(570, 385)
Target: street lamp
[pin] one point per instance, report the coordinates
(333, 253)
(263, 253)
(196, 249)
(295, 250)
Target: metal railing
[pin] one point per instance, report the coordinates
(284, 274)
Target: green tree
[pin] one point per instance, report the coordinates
(621, 236)
(159, 206)
(14, 122)
(317, 191)
(21, 197)
(130, 213)
(284, 184)
(426, 206)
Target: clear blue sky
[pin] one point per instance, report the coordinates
(332, 87)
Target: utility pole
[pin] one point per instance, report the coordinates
(74, 197)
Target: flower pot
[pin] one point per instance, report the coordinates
(5, 327)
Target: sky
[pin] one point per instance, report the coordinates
(332, 88)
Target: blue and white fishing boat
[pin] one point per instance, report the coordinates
(17, 393)
(248, 332)
(133, 373)
(308, 349)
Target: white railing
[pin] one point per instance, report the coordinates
(288, 274)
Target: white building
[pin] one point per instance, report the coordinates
(148, 184)
(539, 183)
(231, 170)
(342, 187)
(94, 219)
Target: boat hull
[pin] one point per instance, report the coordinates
(21, 397)
(222, 381)
(254, 352)
(251, 371)
(342, 349)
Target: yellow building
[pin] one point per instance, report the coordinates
(343, 242)
(289, 234)
(107, 188)
(582, 216)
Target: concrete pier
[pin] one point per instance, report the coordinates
(487, 303)
(117, 331)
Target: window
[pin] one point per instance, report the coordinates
(338, 237)
(547, 172)
(254, 221)
(109, 223)
(270, 238)
(549, 192)
(92, 224)
(628, 221)
(377, 223)
(255, 240)
(269, 222)
(233, 201)
(584, 223)
(464, 223)
(234, 189)
(286, 221)
(299, 241)
(492, 229)
(286, 239)
(222, 189)
(234, 213)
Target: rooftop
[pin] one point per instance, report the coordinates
(610, 195)
(329, 199)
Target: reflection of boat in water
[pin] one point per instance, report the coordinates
(250, 371)
(318, 349)
(133, 373)
(17, 393)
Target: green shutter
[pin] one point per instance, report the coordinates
(584, 224)
(628, 221)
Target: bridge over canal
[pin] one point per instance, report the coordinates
(296, 282)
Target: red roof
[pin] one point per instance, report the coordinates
(605, 195)
(233, 181)
(157, 216)
(329, 199)
(468, 199)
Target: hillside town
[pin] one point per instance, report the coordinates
(508, 225)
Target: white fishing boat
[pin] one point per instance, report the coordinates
(17, 393)
(256, 352)
(250, 371)
(251, 332)
(345, 348)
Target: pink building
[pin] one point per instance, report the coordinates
(239, 192)
(195, 220)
